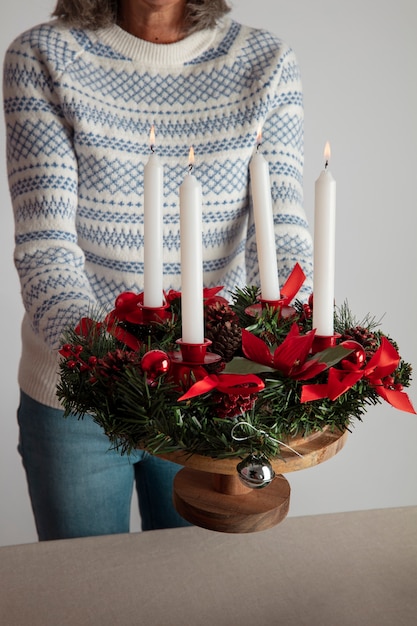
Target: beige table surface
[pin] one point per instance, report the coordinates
(342, 569)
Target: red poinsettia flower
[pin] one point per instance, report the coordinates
(290, 357)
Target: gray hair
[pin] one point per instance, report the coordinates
(94, 14)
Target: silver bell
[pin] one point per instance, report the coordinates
(255, 471)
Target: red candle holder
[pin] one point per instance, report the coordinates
(322, 342)
(152, 315)
(194, 353)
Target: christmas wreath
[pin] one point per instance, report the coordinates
(262, 383)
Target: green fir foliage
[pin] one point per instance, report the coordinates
(140, 408)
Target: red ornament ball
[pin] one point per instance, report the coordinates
(126, 301)
(155, 363)
(357, 358)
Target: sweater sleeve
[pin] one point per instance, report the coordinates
(283, 147)
(42, 175)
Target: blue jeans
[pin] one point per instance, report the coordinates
(80, 487)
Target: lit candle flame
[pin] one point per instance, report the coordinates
(259, 136)
(152, 137)
(327, 153)
(191, 159)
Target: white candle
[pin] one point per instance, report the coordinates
(264, 225)
(324, 250)
(153, 208)
(192, 310)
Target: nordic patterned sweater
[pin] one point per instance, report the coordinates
(78, 108)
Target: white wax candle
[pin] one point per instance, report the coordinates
(192, 309)
(264, 225)
(153, 221)
(324, 251)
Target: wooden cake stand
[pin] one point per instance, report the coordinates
(209, 493)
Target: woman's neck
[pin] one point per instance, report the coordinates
(158, 21)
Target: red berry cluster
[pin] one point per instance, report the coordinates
(74, 361)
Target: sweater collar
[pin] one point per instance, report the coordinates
(161, 55)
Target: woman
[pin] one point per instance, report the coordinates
(80, 96)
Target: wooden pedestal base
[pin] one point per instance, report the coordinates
(209, 493)
(220, 502)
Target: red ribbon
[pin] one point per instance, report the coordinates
(383, 363)
(129, 308)
(293, 284)
(86, 326)
(209, 295)
(231, 384)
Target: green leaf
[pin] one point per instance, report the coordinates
(240, 365)
(331, 356)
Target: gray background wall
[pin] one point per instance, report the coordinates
(358, 62)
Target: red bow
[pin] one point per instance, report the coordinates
(129, 308)
(86, 326)
(231, 384)
(383, 363)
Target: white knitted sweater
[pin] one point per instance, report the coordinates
(78, 108)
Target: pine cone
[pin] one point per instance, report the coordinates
(222, 328)
(365, 337)
(229, 406)
(114, 362)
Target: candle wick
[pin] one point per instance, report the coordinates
(190, 168)
(258, 146)
(152, 148)
(326, 165)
